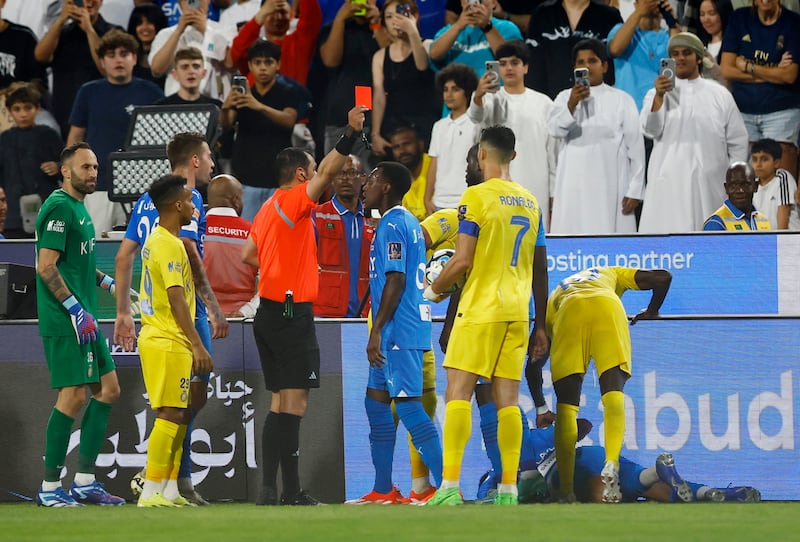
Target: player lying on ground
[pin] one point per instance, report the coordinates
(539, 479)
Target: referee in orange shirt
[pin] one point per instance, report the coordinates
(282, 245)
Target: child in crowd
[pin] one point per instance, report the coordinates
(264, 116)
(189, 70)
(28, 160)
(776, 186)
(451, 139)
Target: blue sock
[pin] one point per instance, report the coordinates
(694, 487)
(528, 452)
(489, 429)
(185, 470)
(423, 435)
(382, 434)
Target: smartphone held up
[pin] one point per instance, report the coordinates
(403, 9)
(582, 76)
(239, 84)
(361, 12)
(493, 66)
(668, 69)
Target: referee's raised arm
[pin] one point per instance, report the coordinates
(334, 160)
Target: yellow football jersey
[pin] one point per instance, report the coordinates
(592, 282)
(164, 264)
(442, 228)
(414, 200)
(507, 221)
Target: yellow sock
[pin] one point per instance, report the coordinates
(429, 403)
(159, 450)
(177, 452)
(566, 436)
(509, 440)
(418, 468)
(614, 422)
(457, 428)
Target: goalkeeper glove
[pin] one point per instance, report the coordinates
(136, 304)
(83, 323)
(108, 283)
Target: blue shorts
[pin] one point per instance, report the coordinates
(590, 460)
(782, 126)
(401, 375)
(204, 330)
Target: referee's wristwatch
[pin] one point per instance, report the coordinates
(488, 27)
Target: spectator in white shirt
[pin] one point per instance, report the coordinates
(451, 138)
(776, 186)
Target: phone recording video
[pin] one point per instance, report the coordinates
(361, 12)
(239, 84)
(668, 69)
(494, 67)
(582, 76)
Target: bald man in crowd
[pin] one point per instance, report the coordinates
(233, 282)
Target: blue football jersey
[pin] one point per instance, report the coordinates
(542, 441)
(398, 246)
(144, 218)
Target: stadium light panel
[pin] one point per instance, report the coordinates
(152, 126)
(133, 172)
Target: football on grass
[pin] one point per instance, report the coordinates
(435, 266)
(137, 483)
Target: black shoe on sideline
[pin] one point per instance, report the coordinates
(301, 498)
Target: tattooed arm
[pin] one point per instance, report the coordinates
(219, 325)
(48, 270)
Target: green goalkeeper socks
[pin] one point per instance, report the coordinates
(93, 434)
(59, 427)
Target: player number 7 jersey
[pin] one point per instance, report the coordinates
(507, 221)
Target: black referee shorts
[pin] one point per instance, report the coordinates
(288, 348)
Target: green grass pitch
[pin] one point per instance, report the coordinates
(532, 523)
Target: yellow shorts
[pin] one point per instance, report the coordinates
(584, 328)
(428, 370)
(488, 349)
(167, 372)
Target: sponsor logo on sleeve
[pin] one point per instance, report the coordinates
(395, 251)
(55, 226)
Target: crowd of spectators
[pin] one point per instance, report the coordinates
(437, 78)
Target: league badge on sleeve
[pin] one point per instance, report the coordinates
(462, 212)
(394, 251)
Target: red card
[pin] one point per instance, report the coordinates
(364, 96)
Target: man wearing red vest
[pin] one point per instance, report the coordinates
(233, 281)
(343, 239)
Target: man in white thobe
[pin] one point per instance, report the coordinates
(697, 133)
(525, 111)
(600, 173)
